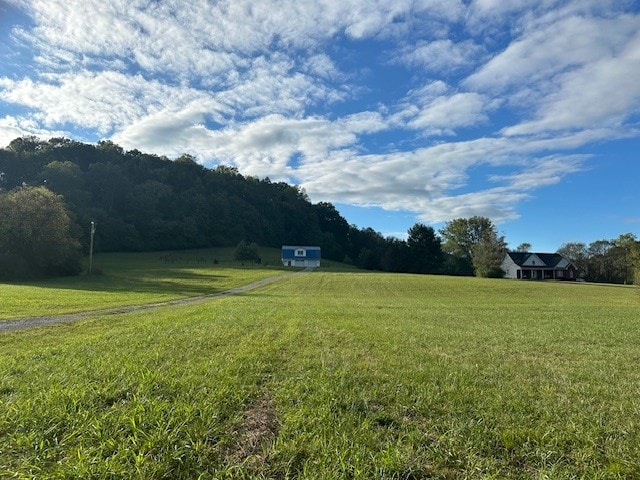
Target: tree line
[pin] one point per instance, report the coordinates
(51, 191)
(607, 261)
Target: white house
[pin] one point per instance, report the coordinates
(538, 266)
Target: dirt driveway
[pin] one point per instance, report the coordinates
(32, 322)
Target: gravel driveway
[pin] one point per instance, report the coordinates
(32, 322)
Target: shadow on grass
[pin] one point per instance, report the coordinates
(597, 284)
(175, 282)
(164, 274)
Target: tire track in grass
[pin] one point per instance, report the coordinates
(33, 322)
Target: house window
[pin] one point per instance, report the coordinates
(299, 253)
(560, 273)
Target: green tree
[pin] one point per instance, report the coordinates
(247, 252)
(523, 247)
(425, 248)
(623, 261)
(26, 145)
(396, 256)
(460, 235)
(453, 265)
(35, 237)
(488, 255)
(476, 240)
(606, 261)
(335, 242)
(635, 258)
(66, 178)
(367, 247)
(577, 253)
(599, 261)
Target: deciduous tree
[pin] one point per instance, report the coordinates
(577, 253)
(488, 255)
(476, 240)
(607, 261)
(247, 252)
(425, 248)
(35, 235)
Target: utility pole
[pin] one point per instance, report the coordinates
(93, 231)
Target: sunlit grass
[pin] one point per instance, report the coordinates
(355, 375)
(136, 278)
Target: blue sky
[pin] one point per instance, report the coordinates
(523, 111)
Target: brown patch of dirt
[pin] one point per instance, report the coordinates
(258, 430)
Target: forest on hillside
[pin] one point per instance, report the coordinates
(51, 191)
(144, 202)
(147, 202)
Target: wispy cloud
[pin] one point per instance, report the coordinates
(443, 55)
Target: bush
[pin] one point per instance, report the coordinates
(246, 252)
(35, 235)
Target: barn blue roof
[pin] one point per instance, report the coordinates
(311, 252)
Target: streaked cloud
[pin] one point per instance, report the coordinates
(443, 55)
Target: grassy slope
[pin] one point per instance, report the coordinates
(137, 278)
(333, 375)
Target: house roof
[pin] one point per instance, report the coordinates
(550, 260)
(290, 252)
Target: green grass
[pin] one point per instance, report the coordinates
(141, 278)
(136, 278)
(335, 375)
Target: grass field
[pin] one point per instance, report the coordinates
(136, 278)
(335, 375)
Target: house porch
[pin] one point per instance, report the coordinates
(542, 274)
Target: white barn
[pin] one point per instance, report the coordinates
(301, 256)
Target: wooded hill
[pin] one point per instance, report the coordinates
(143, 202)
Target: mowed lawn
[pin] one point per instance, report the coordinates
(136, 278)
(335, 375)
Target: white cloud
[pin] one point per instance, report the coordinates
(254, 84)
(264, 147)
(419, 182)
(9, 130)
(199, 38)
(323, 66)
(273, 85)
(435, 109)
(12, 128)
(603, 93)
(364, 122)
(499, 205)
(169, 131)
(449, 10)
(568, 44)
(575, 72)
(543, 172)
(498, 19)
(104, 101)
(433, 182)
(488, 9)
(447, 113)
(443, 55)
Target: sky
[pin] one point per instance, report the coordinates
(523, 111)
